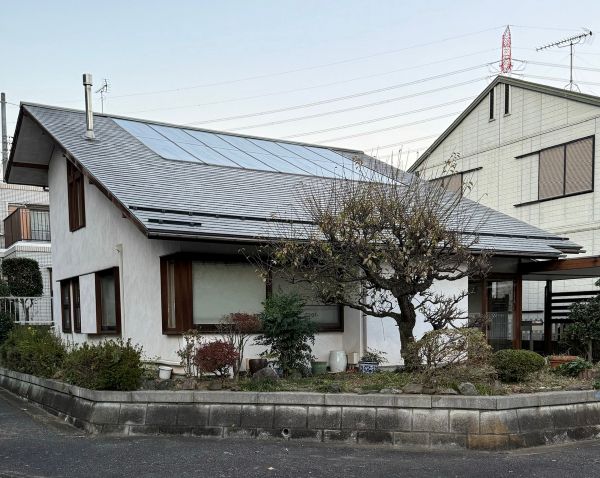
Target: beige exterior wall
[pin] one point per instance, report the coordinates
(536, 121)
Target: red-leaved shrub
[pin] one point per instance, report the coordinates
(216, 357)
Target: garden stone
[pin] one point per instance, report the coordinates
(187, 384)
(215, 385)
(393, 391)
(413, 388)
(447, 391)
(428, 390)
(467, 388)
(266, 373)
(334, 387)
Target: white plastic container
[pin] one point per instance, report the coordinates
(164, 373)
(337, 361)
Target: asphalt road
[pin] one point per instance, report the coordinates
(34, 444)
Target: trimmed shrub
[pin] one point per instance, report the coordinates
(7, 323)
(23, 277)
(449, 347)
(33, 349)
(107, 365)
(516, 365)
(216, 357)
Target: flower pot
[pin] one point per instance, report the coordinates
(164, 373)
(337, 361)
(556, 360)
(368, 367)
(318, 368)
(257, 364)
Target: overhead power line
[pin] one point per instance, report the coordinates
(358, 107)
(381, 118)
(313, 87)
(340, 98)
(390, 128)
(313, 67)
(558, 65)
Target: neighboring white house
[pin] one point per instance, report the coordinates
(25, 232)
(148, 220)
(529, 151)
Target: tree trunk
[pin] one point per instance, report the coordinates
(406, 325)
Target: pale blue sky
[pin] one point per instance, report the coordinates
(202, 48)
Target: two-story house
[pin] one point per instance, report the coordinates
(528, 150)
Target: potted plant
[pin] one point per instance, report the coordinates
(318, 368)
(370, 361)
(558, 360)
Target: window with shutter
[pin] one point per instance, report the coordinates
(552, 172)
(579, 166)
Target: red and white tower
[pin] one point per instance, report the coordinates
(506, 61)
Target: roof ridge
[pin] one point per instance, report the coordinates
(185, 126)
(502, 79)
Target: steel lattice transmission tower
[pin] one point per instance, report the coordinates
(506, 61)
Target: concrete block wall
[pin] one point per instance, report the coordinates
(438, 421)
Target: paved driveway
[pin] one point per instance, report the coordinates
(33, 443)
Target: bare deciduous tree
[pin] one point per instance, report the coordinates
(377, 240)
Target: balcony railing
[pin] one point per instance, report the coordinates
(27, 224)
(28, 310)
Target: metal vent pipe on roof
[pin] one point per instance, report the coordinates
(89, 115)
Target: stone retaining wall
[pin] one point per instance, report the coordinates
(482, 422)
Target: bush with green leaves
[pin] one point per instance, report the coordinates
(287, 331)
(517, 365)
(106, 365)
(572, 369)
(581, 335)
(23, 277)
(36, 350)
(7, 323)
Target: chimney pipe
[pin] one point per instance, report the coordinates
(89, 116)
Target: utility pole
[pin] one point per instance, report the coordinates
(4, 135)
(570, 42)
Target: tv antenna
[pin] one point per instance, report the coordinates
(103, 90)
(570, 42)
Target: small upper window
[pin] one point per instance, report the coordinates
(492, 104)
(507, 99)
(452, 183)
(76, 199)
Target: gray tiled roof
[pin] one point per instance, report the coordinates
(182, 198)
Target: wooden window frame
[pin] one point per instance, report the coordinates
(75, 197)
(564, 195)
(76, 305)
(67, 322)
(97, 276)
(184, 310)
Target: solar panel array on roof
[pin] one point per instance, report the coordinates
(220, 149)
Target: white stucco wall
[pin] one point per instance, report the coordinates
(110, 240)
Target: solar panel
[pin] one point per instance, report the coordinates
(221, 149)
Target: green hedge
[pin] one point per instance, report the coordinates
(34, 350)
(516, 365)
(107, 365)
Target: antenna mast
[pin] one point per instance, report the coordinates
(506, 60)
(103, 90)
(570, 42)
